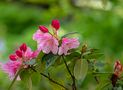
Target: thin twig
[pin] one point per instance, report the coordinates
(13, 81)
(50, 79)
(72, 76)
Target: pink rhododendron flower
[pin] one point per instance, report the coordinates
(24, 53)
(29, 54)
(47, 43)
(21, 55)
(11, 68)
(37, 35)
(68, 44)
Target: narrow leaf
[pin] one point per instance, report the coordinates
(25, 76)
(93, 56)
(102, 85)
(71, 33)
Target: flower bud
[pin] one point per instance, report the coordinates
(118, 68)
(43, 29)
(13, 57)
(19, 53)
(23, 47)
(55, 24)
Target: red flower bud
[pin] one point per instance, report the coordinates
(23, 47)
(43, 29)
(13, 57)
(55, 24)
(19, 53)
(118, 68)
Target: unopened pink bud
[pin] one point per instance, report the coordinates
(13, 57)
(43, 29)
(55, 24)
(19, 53)
(23, 47)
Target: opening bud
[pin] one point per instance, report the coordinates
(19, 53)
(43, 29)
(23, 47)
(13, 57)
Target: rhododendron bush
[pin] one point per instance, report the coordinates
(55, 51)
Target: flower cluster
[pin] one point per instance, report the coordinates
(47, 42)
(18, 59)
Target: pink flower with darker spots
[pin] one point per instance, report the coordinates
(46, 42)
(68, 44)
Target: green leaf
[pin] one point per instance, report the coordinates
(40, 66)
(49, 59)
(25, 76)
(71, 33)
(102, 85)
(80, 69)
(73, 56)
(92, 54)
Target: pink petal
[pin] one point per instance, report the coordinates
(37, 35)
(11, 68)
(28, 53)
(68, 44)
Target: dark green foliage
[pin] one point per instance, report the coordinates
(49, 59)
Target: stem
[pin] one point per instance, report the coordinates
(30, 83)
(72, 76)
(13, 81)
(50, 79)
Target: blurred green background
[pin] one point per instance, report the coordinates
(99, 22)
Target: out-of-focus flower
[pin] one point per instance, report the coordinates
(24, 53)
(23, 47)
(55, 24)
(13, 57)
(118, 68)
(18, 60)
(19, 53)
(68, 44)
(11, 68)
